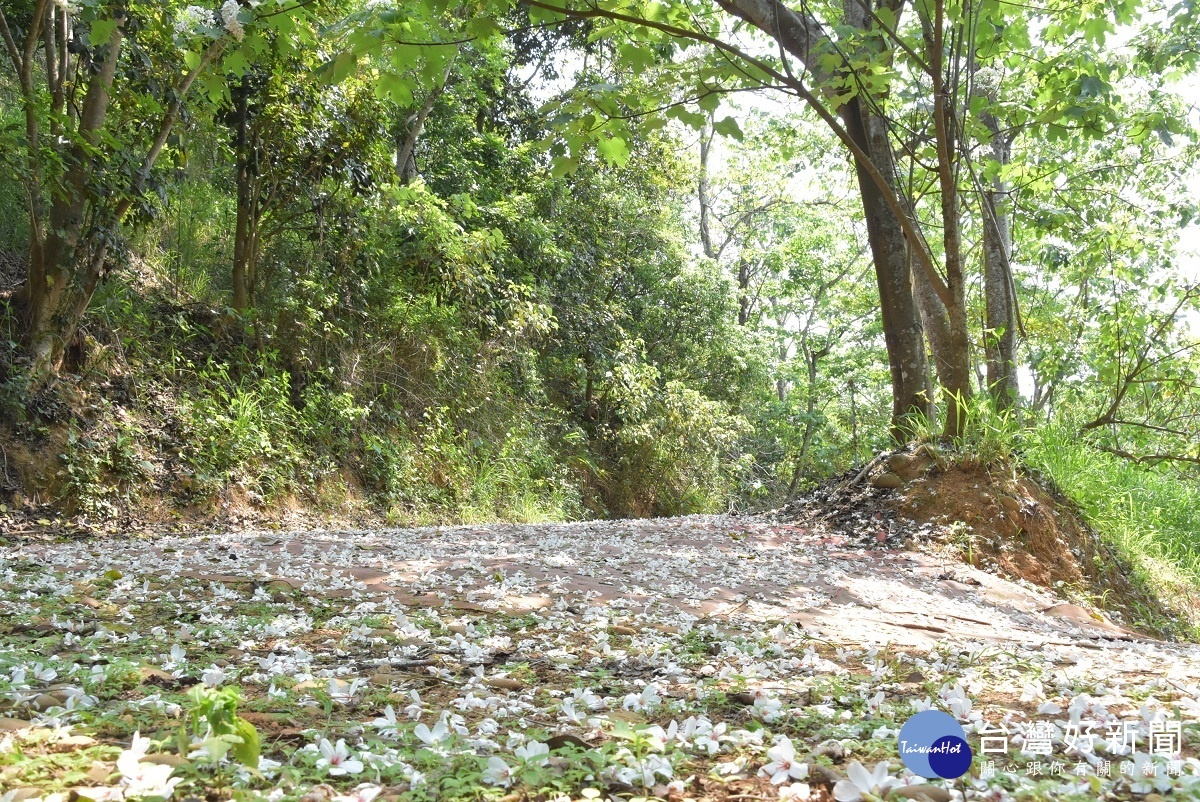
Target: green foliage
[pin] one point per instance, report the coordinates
(991, 434)
(102, 469)
(243, 429)
(1151, 516)
(211, 716)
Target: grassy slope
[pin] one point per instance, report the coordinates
(1151, 518)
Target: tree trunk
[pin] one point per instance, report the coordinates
(406, 143)
(72, 223)
(955, 360)
(743, 282)
(243, 230)
(811, 359)
(63, 270)
(1000, 338)
(802, 35)
(706, 135)
(902, 330)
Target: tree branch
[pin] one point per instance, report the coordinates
(165, 126)
(11, 46)
(885, 189)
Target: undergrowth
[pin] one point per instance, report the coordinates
(1149, 516)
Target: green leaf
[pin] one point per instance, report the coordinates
(562, 166)
(248, 751)
(191, 59)
(344, 65)
(636, 58)
(615, 150)
(691, 118)
(397, 88)
(235, 63)
(102, 31)
(727, 126)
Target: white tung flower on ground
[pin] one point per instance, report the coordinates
(646, 700)
(212, 676)
(387, 724)
(783, 766)
(497, 773)
(336, 757)
(43, 673)
(766, 707)
(861, 782)
(800, 791)
(144, 779)
(534, 753)
(363, 793)
(439, 733)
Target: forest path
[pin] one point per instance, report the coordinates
(667, 573)
(699, 632)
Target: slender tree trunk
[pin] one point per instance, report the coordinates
(66, 259)
(406, 143)
(743, 282)
(706, 135)
(243, 229)
(63, 269)
(811, 358)
(853, 421)
(954, 359)
(902, 330)
(1000, 338)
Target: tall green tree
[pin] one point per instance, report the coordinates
(104, 86)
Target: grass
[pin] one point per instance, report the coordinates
(1151, 517)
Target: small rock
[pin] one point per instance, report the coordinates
(44, 702)
(820, 773)
(618, 629)
(73, 742)
(380, 678)
(707, 671)
(12, 724)
(831, 749)
(898, 462)
(566, 739)
(319, 793)
(504, 683)
(1011, 504)
(887, 480)
(156, 676)
(21, 794)
(99, 772)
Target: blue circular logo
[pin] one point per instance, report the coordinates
(933, 744)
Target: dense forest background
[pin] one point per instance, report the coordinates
(534, 262)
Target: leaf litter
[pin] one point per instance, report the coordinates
(707, 657)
